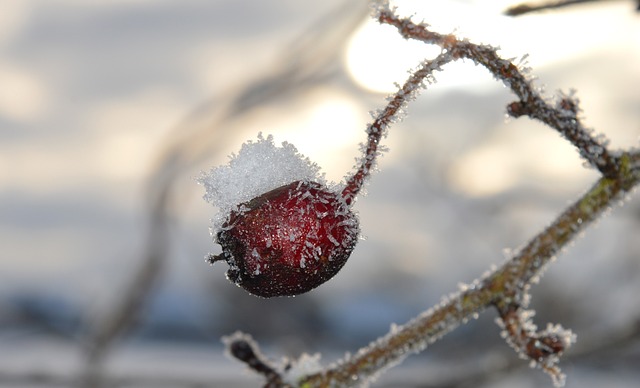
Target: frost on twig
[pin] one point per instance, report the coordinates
(391, 113)
(507, 287)
(562, 117)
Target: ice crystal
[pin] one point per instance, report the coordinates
(304, 366)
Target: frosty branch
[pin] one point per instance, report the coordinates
(379, 126)
(562, 117)
(504, 288)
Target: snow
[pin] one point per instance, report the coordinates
(259, 166)
(305, 365)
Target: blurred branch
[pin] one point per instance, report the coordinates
(608, 343)
(505, 288)
(525, 8)
(54, 379)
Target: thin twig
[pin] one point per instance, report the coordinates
(525, 8)
(378, 128)
(562, 117)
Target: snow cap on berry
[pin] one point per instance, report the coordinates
(260, 166)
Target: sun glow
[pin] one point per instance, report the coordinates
(377, 57)
(327, 128)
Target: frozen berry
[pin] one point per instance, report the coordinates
(289, 240)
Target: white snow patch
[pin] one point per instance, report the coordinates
(304, 366)
(260, 166)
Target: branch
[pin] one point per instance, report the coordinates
(505, 288)
(562, 116)
(378, 128)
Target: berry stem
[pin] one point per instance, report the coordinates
(211, 258)
(377, 129)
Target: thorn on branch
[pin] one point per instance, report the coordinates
(517, 109)
(569, 105)
(539, 347)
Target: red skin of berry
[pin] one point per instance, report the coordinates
(289, 240)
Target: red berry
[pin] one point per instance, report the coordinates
(289, 240)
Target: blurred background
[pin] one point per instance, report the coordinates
(109, 110)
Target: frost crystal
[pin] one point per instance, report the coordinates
(306, 365)
(260, 166)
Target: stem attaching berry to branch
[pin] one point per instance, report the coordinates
(377, 129)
